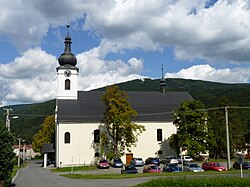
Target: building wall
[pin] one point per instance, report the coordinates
(80, 150)
(61, 92)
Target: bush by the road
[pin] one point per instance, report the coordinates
(6, 156)
(198, 182)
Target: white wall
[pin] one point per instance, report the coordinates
(80, 150)
(61, 92)
(147, 145)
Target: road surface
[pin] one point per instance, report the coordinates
(35, 176)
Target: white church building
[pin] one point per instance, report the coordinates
(79, 115)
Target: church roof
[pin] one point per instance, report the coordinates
(150, 106)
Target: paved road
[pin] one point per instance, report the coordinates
(35, 176)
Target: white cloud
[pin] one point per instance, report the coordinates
(208, 73)
(32, 77)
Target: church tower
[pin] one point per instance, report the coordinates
(163, 82)
(67, 73)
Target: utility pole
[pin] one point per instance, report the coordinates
(19, 147)
(8, 117)
(227, 137)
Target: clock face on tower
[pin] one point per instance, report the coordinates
(67, 73)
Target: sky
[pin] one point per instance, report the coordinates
(120, 40)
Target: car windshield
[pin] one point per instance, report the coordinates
(153, 167)
(117, 160)
(138, 159)
(103, 161)
(193, 165)
(247, 163)
(130, 168)
(217, 164)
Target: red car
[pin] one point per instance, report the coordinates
(216, 166)
(151, 168)
(103, 164)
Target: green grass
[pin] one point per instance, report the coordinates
(198, 182)
(78, 168)
(179, 175)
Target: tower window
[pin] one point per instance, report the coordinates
(159, 134)
(67, 84)
(67, 137)
(97, 136)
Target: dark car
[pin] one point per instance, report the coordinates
(172, 168)
(216, 166)
(245, 165)
(131, 169)
(103, 164)
(116, 163)
(152, 160)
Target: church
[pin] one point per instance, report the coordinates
(79, 115)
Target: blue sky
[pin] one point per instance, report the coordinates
(120, 40)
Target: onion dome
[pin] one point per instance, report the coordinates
(67, 58)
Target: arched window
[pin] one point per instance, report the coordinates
(159, 134)
(67, 137)
(67, 84)
(97, 136)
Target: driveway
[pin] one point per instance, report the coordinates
(35, 176)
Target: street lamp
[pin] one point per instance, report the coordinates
(19, 147)
(8, 117)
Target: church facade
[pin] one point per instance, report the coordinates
(79, 115)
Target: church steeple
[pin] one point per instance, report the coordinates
(67, 58)
(163, 82)
(67, 72)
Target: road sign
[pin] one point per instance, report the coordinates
(240, 159)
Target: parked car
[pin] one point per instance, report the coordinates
(171, 168)
(116, 163)
(130, 169)
(151, 168)
(103, 164)
(137, 162)
(192, 167)
(169, 159)
(185, 159)
(216, 166)
(153, 160)
(245, 165)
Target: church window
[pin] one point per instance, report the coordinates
(97, 136)
(67, 137)
(67, 84)
(159, 134)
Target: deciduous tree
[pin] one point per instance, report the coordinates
(192, 131)
(46, 134)
(120, 132)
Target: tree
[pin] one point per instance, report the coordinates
(237, 128)
(119, 132)
(46, 134)
(192, 130)
(6, 156)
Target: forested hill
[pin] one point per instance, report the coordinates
(207, 92)
(32, 115)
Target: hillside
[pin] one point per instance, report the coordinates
(32, 115)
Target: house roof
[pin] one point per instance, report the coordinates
(150, 106)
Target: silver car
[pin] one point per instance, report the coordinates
(137, 162)
(192, 167)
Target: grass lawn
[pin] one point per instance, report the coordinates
(78, 168)
(181, 175)
(198, 182)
